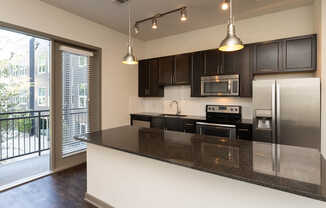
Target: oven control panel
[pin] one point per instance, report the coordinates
(223, 109)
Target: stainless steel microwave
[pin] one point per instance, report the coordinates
(225, 85)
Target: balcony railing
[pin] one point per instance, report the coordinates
(28, 132)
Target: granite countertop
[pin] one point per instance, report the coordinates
(198, 118)
(298, 170)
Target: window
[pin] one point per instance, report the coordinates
(82, 98)
(42, 64)
(82, 128)
(42, 97)
(23, 100)
(82, 61)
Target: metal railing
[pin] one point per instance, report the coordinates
(24, 133)
(28, 132)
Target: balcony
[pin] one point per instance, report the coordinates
(25, 141)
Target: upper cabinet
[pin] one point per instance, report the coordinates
(287, 55)
(212, 62)
(148, 75)
(197, 70)
(182, 69)
(268, 57)
(296, 54)
(166, 68)
(174, 70)
(300, 53)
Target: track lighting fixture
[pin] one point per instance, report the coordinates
(184, 16)
(225, 4)
(136, 29)
(154, 19)
(154, 23)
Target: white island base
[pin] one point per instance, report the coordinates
(124, 180)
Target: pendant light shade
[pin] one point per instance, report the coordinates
(231, 42)
(130, 58)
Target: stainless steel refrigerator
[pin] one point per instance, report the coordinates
(287, 111)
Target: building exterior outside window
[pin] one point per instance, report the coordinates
(82, 61)
(42, 97)
(82, 96)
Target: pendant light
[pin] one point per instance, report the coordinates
(129, 59)
(231, 42)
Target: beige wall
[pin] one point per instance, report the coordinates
(118, 81)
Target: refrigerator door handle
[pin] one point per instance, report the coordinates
(278, 123)
(273, 128)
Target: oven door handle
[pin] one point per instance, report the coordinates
(216, 125)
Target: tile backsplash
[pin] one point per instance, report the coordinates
(189, 105)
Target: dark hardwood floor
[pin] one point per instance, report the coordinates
(61, 190)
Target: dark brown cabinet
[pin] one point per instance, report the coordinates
(243, 64)
(173, 124)
(182, 69)
(296, 54)
(212, 62)
(174, 70)
(268, 57)
(148, 75)
(299, 53)
(166, 68)
(228, 65)
(197, 70)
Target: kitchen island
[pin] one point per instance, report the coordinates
(143, 167)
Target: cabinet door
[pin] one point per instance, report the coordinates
(143, 78)
(244, 67)
(300, 54)
(158, 122)
(155, 90)
(228, 65)
(182, 69)
(166, 68)
(173, 124)
(268, 57)
(197, 70)
(212, 62)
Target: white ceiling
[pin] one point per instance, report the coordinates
(202, 13)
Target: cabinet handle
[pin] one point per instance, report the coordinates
(246, 130)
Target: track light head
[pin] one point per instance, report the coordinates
(184, 15)
(225, 5)
(136, 29)
(154, 23)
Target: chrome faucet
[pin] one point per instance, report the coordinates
(178, 107)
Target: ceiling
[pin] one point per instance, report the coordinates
(202, 13)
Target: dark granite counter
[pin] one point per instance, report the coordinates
(292, 169)
(197, 118)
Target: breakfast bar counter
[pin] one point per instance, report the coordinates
(144, 167)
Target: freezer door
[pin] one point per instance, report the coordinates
(264, 110)
(298, 112)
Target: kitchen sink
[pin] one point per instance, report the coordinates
(173, 115)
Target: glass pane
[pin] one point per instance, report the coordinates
(216, 87)
(74, 101)
(24, 106)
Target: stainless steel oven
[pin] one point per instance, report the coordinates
(213, 129)
(226, 85)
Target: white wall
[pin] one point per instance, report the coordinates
(118, 81)
(295, 22)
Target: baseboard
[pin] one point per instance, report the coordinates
(96, 202)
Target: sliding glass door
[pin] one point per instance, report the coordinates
(76, 102)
